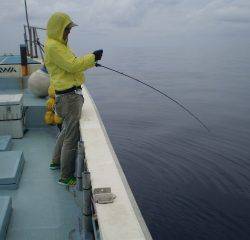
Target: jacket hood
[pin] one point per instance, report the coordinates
(56, 25)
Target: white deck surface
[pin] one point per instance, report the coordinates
(122, 219)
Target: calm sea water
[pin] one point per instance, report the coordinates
(189, 184)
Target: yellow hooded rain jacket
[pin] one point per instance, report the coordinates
(65, 69)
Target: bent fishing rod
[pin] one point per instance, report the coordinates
(159, 91)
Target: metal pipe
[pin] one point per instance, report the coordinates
(87, 213)
(39, 46)
(40, 28)
(29, 29)
(35, 42)
(79, 165)
(30, 42)
(25, 39)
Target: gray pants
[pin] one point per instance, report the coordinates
(69, 107)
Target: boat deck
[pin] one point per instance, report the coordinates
(15, 60)
(42, 209)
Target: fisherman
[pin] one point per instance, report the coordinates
(66, 75)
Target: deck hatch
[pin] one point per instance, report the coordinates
(11, 166)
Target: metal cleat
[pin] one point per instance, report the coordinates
(103, 195)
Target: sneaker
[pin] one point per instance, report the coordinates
(54, 166)
(70, 181)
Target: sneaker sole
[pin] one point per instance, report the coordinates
(63, 184)
(54, 168)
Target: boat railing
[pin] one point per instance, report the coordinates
(32, 41)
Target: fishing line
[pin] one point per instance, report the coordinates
(159, 91)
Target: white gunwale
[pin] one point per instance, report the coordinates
(121, 219)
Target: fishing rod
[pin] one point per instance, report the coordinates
(159, 91)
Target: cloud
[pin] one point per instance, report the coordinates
(116, 14)
(144, 20)
(234, 14)
(225, 11)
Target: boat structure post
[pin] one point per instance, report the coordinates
(87, 213)
(79, 165)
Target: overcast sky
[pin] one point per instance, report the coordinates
(130, 22)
